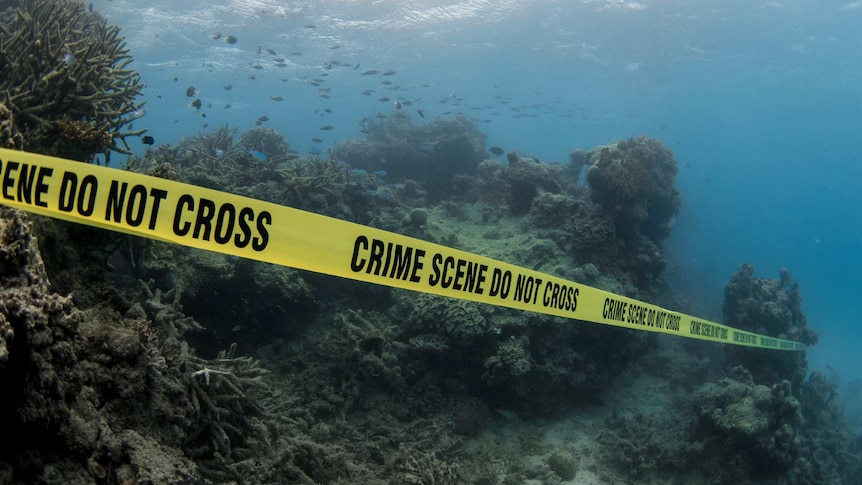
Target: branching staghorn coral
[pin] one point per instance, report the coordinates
(61, 62)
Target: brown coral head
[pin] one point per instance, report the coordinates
(86, 135)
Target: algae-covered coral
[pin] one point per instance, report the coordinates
(66, 87)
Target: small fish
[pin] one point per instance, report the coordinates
(335, 46)
(324, 96)
(368, 92)
(137, 115)
(219, 153)
(421, 113)
(216, 36)
(191, 92)
(355, 67)
(227, 87)
(271, 51)
(296, 53)
(397, 105)
(69, 59)
(227, 106)
(258, 154)
(369, 72)
(496, 151)
(281, 64)
(230, 39)
(258, 50)
(263, 118)
(326, 127)
(317, 140)
(386, 83)
(389, 73)
(236, 328)
(383, 99)
(381, 173)
(147, 140)
(309, 26)
(196, 104)
(276, 98)
(327, 110)
(832, 369)
(252, 77)
(256, 66)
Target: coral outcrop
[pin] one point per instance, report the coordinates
(753, 420)
(768, 306)
(430, 154)
(66, 87)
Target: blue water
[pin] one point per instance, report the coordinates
(759, 100)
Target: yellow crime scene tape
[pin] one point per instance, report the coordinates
(208, 219)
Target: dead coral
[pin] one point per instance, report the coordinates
(9, 138)
(424, 469)
(85, 134)
(59, 60)
(224, 415)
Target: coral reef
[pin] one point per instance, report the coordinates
(214, 160)
(66, 89)
(245, 372)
